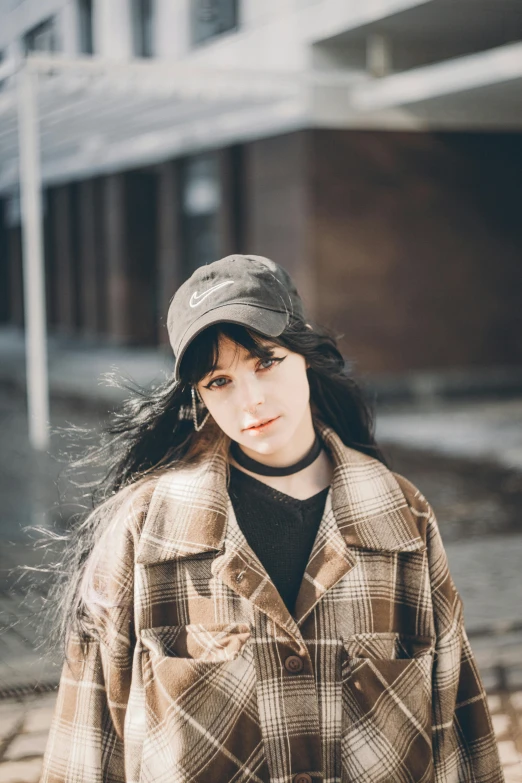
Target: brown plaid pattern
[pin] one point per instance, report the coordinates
(203, 676)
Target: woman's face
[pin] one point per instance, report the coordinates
(246, 391)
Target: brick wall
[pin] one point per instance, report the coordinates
(411, 242)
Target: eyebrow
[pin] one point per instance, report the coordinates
(218, 368)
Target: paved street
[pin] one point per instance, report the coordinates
(477, 499)
(488, 430)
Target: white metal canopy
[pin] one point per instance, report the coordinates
(96, 115)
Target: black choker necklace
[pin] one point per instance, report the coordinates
(267, 470)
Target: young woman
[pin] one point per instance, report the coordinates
(259, 597)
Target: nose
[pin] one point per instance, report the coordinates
(251, 394)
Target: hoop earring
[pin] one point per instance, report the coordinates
(197, 426)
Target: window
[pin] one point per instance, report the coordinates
(200, 203)
(85, 26)
(42, 38)
(212, 17)
(142, 27)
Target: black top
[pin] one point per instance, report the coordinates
(280, 529)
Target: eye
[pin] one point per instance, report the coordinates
(274, 360)
(219, 383)
(215, 383)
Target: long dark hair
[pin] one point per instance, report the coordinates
(152, 432)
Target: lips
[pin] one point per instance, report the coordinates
(258, 424)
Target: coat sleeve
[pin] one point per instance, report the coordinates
(463, 740)
(86, 738)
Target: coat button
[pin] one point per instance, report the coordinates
(294, 664)
(302, 777)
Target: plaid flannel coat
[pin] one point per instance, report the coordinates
(203, 676)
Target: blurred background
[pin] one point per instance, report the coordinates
(373, 149)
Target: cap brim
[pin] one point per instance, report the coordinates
(269, 323)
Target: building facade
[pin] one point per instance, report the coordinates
(392, 197)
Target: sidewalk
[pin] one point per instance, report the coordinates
(471, 429)
(75, 367)
(24, 728)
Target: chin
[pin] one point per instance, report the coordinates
(261, 448)
(267, 444)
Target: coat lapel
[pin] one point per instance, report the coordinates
(187, 514)
(240, 569)
(329, 561)
(368, 504)
(365, 509)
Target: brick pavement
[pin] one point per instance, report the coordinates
(24, 726)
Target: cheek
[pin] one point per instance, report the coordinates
(220, 408)
(295, 388)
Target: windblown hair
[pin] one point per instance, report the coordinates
(148, 436)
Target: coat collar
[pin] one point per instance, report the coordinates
(189, 508)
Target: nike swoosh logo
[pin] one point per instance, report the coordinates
(196, 298)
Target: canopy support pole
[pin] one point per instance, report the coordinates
(33, 260)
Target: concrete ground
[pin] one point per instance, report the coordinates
(481, 430)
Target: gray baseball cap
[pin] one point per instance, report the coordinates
(249, 290)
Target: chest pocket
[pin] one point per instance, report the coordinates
(212, 643)
(200, 704)
(386, 721)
